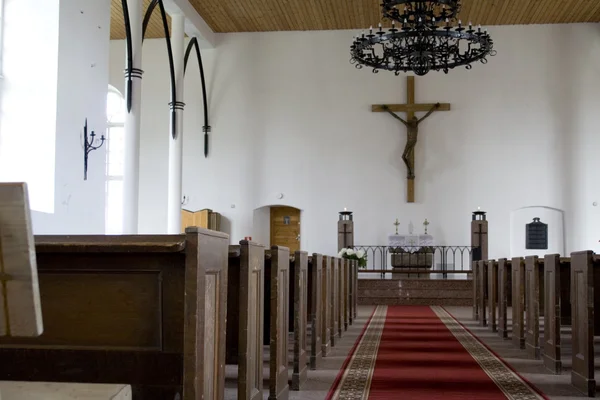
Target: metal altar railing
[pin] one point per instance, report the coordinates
(440, 261)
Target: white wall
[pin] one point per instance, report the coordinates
(27, 89)
(261, 226)
(55, 75)
(290, 115)
(82, 88)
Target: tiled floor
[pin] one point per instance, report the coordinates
(556, 387)
(319, 381)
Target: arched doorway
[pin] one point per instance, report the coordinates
(277, 225)
(285, 227)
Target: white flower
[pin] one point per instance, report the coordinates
(360, 253)
(342, 252)
(349, 252)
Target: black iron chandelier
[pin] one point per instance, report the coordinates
(424, 40)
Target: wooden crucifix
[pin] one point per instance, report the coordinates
(412, 126)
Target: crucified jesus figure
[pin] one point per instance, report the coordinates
(412, 128)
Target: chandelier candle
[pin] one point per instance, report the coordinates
(424, 42)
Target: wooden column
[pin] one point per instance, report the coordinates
(315, 314)
(479, 236)
(585, 283)
(504, 295)
(345, 230)
(518, 302)
(325, 304)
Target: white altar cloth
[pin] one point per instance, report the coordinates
(410, 242)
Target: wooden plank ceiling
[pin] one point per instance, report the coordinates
(277, 15)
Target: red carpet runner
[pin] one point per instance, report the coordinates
(422, 353)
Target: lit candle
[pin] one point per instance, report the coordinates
(345, 209)
(478, 208)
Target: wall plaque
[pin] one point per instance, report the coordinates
(536, 235)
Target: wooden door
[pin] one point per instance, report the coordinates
(285, 228)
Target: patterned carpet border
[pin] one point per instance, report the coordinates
(511, 384)
(356, 380)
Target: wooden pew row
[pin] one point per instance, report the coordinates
(140, 305)
(207, 309)
(565, 291)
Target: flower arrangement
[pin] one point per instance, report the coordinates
(354, 255)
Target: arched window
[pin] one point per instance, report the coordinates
(115, 158)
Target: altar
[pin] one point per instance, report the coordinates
(414, 252)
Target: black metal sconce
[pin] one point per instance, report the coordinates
(88, 147)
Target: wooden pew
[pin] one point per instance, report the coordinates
(482, 276)
(326, 305)
(492, 294)
(476, 290)
(557, 303)
(345, 275)
(585, 298)
(534, 286)
(356, 268)
(518, 302)
(341, 296)
(245, 316)
(334, 299)
(299, 289)
(315, 315)
(504, 295)
(277, 279)
(129, 310)
(20, 310)
(351, 291)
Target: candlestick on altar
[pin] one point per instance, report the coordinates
(426, 224)
(397, 224)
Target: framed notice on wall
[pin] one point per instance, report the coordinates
(536, 235)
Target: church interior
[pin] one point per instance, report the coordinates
(300, 199)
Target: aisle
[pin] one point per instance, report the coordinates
(421, 352)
